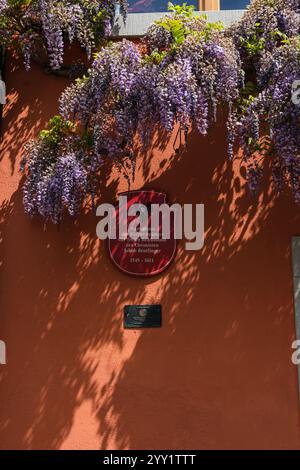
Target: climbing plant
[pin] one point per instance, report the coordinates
(32, 27)
(266, 119)
(184, 70)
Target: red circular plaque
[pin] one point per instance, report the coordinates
(141, 257)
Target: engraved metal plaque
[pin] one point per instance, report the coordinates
(142, 316)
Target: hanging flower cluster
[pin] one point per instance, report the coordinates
(268, 126)
(60, 169)
(185, 68)
(31, 26)
(130, 92)
(263, 27)
(266, 118)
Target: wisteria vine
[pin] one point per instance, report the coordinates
(265, 122)
(184, 70)
(31, 26)
(264, 25)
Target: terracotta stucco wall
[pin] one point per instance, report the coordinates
(219, 372)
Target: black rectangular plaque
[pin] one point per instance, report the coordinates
(142, 316)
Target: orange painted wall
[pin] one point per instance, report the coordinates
(219, 372)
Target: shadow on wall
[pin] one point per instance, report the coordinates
(25, 110)
(217, 375)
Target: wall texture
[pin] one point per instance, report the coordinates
(219, 372)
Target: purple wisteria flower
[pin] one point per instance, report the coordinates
(50, 24)
(180, 75)
(127, 95)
